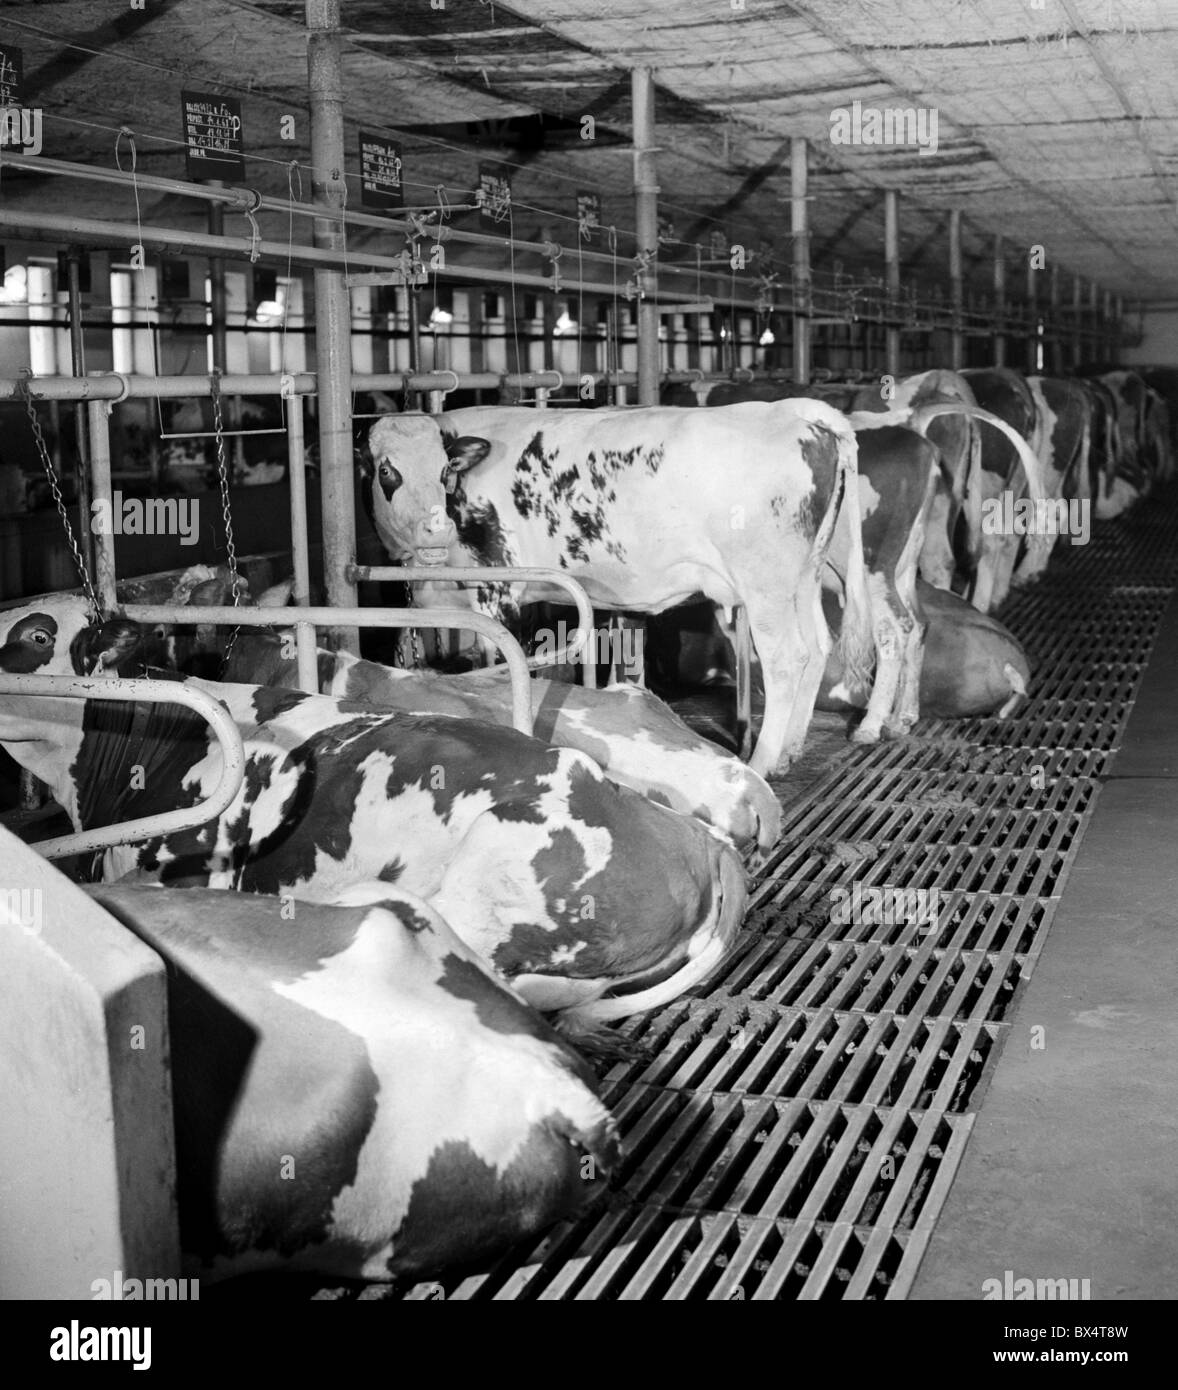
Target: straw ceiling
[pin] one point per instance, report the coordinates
(1057, 120)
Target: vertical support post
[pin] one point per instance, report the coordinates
(956, 286)
(217, 297)
(296, 472)
(104, 541)
(799, 225)
(1032, 318)
(333, 315)
(646, 210)
(78, 364)
(1092, 347)
(1053, 329)
(999, 303)
(892, 270)
(1106, 326)
(1118, 320)
(1077, 341)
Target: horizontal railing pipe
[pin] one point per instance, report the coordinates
(460, 618)
(157, 693)
(502, 574)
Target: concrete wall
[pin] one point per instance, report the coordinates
(87, 1163)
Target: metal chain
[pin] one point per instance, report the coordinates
(416, 646)
(226, 516)
(55, 489)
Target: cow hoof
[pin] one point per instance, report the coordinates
(865, 734)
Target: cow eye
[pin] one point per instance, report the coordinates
(40, 637)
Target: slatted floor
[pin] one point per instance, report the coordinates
(792, 1129)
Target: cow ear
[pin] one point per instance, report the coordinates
(465, 452)
(109, 646)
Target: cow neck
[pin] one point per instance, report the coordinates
(132, 757)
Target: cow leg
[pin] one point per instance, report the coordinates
(936, 556)
(792, 641)
(890, 623)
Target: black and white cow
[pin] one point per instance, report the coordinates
(634, 738)
(353, 1093)
(589, 898)
(646, 507)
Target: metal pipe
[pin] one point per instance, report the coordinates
(1033, 365)
(109, 387)
(217, 296)
(104, 540)
(78, 364)
(1077, 313)
(47, 226)
(999, 303)
(333, 312)
(646, 212)
(582, 647)
(799, 223)
(239, 199)
(300, 594)
(1056, 343)
(460, 618)
(956, 291)
(892, 268)
(157, 693)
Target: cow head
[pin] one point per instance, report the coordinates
(410, 475)
(57, 635)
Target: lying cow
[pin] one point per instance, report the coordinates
(588, 897)
(646, 507)
(634, 738)
(972, 664)
(353, 1094)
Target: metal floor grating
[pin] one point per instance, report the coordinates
(792, 1129)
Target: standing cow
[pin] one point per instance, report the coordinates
(646, 508)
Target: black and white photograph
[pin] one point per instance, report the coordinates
(587, 667)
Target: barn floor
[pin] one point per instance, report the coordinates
(867, 1111)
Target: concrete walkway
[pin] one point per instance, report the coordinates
(1072, 1168)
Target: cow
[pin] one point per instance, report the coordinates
(903, 479)
(591, 900)
(646, 507)
(1064, 437)
(958, 492)
(1005, 393)
(634, 738)
(354, 1094)
(972, 665)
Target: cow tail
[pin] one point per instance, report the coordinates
(856, 639)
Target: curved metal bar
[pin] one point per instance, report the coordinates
(513, 653)
(581, 647)
(156, 693)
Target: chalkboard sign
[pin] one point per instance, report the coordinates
(380, 173)
(588, 217)
(212, 129)
(493, 194)
(12, 75)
